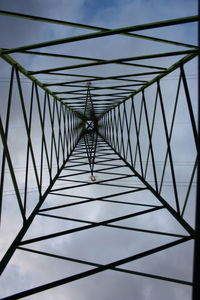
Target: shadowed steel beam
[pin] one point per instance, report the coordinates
(126, 33)
(95, 88)
(115, 134)
(114, 269)
(105, 33)
(187, 227)
(77, 229)
(5, 260)
(11, 168)
(6, 136)
(95, 78)
(160, 76)
(13, 62)
(84, 58)
(196, 261)
(89, 27)
(96, 270)
(113, 61)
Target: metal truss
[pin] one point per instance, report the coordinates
(124, 133)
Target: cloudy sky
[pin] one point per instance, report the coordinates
(100, 245)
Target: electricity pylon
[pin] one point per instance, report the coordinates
(113, 148)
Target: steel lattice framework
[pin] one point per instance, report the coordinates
(123, 130)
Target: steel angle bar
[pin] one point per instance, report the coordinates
(121, 123)
(117, 60)
(100, 181)
(11, 169)
(104, 33)
(94, 224)
(169, 149)
(128, 126)
(65, 133)
(28, 131)
(190, 108)
(96, 61)
(151, 134)
(11, 250)
(130, 203)
(114, 226)
(96, 270)
(115, 269)
(150, 140)
(174, 213)
(22, 70)
(93, 87)
(53, 146)
(117, 185)
(83, 26)
(60, 138)
(42, 124)
(196, 261)
(95, 78)
(162, 74)
(6, 135)
(137, 130)
(85, 200)
(170, 131)
(28, 149)
(95, 28)
(189, 187)
(146, 231)
(114, 123)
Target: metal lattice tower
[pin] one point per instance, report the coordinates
(102, 159)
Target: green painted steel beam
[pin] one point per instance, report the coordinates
(96, 270)
(96, 28)
(83, 90)
(115, 269)
(81, 98)
(95, 103)
(13, 62)
(104, 33)
(105, 62)
(118, 77)
(172, 68)
(113, 100)
(84, 58)
(30, 52)
(67, 83)
(95, 95)
(90, 77)
(103, 88)
(113, 61)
